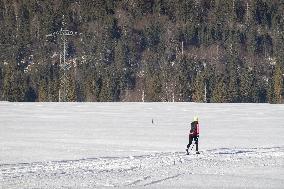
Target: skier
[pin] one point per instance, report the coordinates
(193, 134)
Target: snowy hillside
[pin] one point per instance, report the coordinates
(93, 145)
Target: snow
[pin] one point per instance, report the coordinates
(98, 145)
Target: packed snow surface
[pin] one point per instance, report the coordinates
(140, 145)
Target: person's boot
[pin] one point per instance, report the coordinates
(187, 151)
(196, 145)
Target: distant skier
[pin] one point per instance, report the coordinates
(193, 134)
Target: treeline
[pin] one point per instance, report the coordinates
(144, 50)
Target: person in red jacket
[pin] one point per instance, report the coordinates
(193, 134)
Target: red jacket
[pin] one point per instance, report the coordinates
(194, 130)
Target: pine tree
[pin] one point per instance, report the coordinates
(277, 85)
(219, 91)
(13, 84)
(199, 88)
(71, 87)
(246, 85)
(233, 80)
(187, 71)
(43, 91)
(105, 93)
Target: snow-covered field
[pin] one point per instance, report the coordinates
(98, 145)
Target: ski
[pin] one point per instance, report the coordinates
(187, 153)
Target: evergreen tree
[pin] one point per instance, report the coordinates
(43, 94)
(277, 85)
(199, 88)
(233, 80)
(13, 84)
(71, 87)
(246, 83)
(219, 91)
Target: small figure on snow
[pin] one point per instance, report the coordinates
(193, 134)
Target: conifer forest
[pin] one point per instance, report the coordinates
(217, 51)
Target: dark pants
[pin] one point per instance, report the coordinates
(190, 139)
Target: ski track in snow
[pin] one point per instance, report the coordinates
(104, 145)
(144, 170)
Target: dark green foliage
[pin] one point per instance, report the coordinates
(14, 85)
(152, 50)
(276, 85)
(219, 91)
